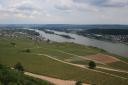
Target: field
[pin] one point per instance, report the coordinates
(103, 58)
(58, 59)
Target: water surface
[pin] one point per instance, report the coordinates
(115, 48)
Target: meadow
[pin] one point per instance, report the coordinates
(36, 62)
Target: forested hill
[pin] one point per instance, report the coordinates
(108, 31)
(63, 26)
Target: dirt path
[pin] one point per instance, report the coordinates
(78, 56)
(118, 70)
(52, 80)
(80, 66)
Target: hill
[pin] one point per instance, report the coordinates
(66, 61)
(12, 77)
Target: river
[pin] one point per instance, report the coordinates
(114, 48)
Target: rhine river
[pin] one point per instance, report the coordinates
(114, 48)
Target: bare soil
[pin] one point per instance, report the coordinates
(103, 58)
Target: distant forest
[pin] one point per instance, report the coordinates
(108, 31)
(96, 29)
(63, 26)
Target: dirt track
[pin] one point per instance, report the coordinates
(60, 81)
(53, 80)
(80, 66)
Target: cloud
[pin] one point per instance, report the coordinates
(116, 3)
(18, 8)
(72, 11)
(89, 5)
(62, 7)
(74, 5)
(105, 3)
(62, 4)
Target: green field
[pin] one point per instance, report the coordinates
(115, 72)
(39, 64)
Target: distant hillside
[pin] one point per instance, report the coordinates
(63, 26)
(108, 31)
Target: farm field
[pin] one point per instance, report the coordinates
(64, 61)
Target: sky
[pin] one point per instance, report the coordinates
(63, 11)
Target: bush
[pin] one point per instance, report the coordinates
(92, 65)
(26, 50)
(19, 67)
(12, 77)
(13, 44)
(78, 83)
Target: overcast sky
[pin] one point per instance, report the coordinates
(64, 11)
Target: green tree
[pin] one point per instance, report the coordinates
(19, 67)
(92, 65)
(28, 50)
(13, 44)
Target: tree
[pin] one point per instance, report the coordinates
(92, 64)
(48, 41)
(13, 44)
(28, 50)
(19, 67)
(78, 83)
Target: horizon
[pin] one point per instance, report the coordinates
(57, 24)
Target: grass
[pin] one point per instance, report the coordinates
(10, 55)
(73, 48)
(86, 62)
(125, 59)
(54, 53)
(87, 50)
(12, 77)
(122, 74)
(119, 65)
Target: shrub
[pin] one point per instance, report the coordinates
(13, 44)
(26, 50)
(19, 67)
(10, 76)
(92, 64)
